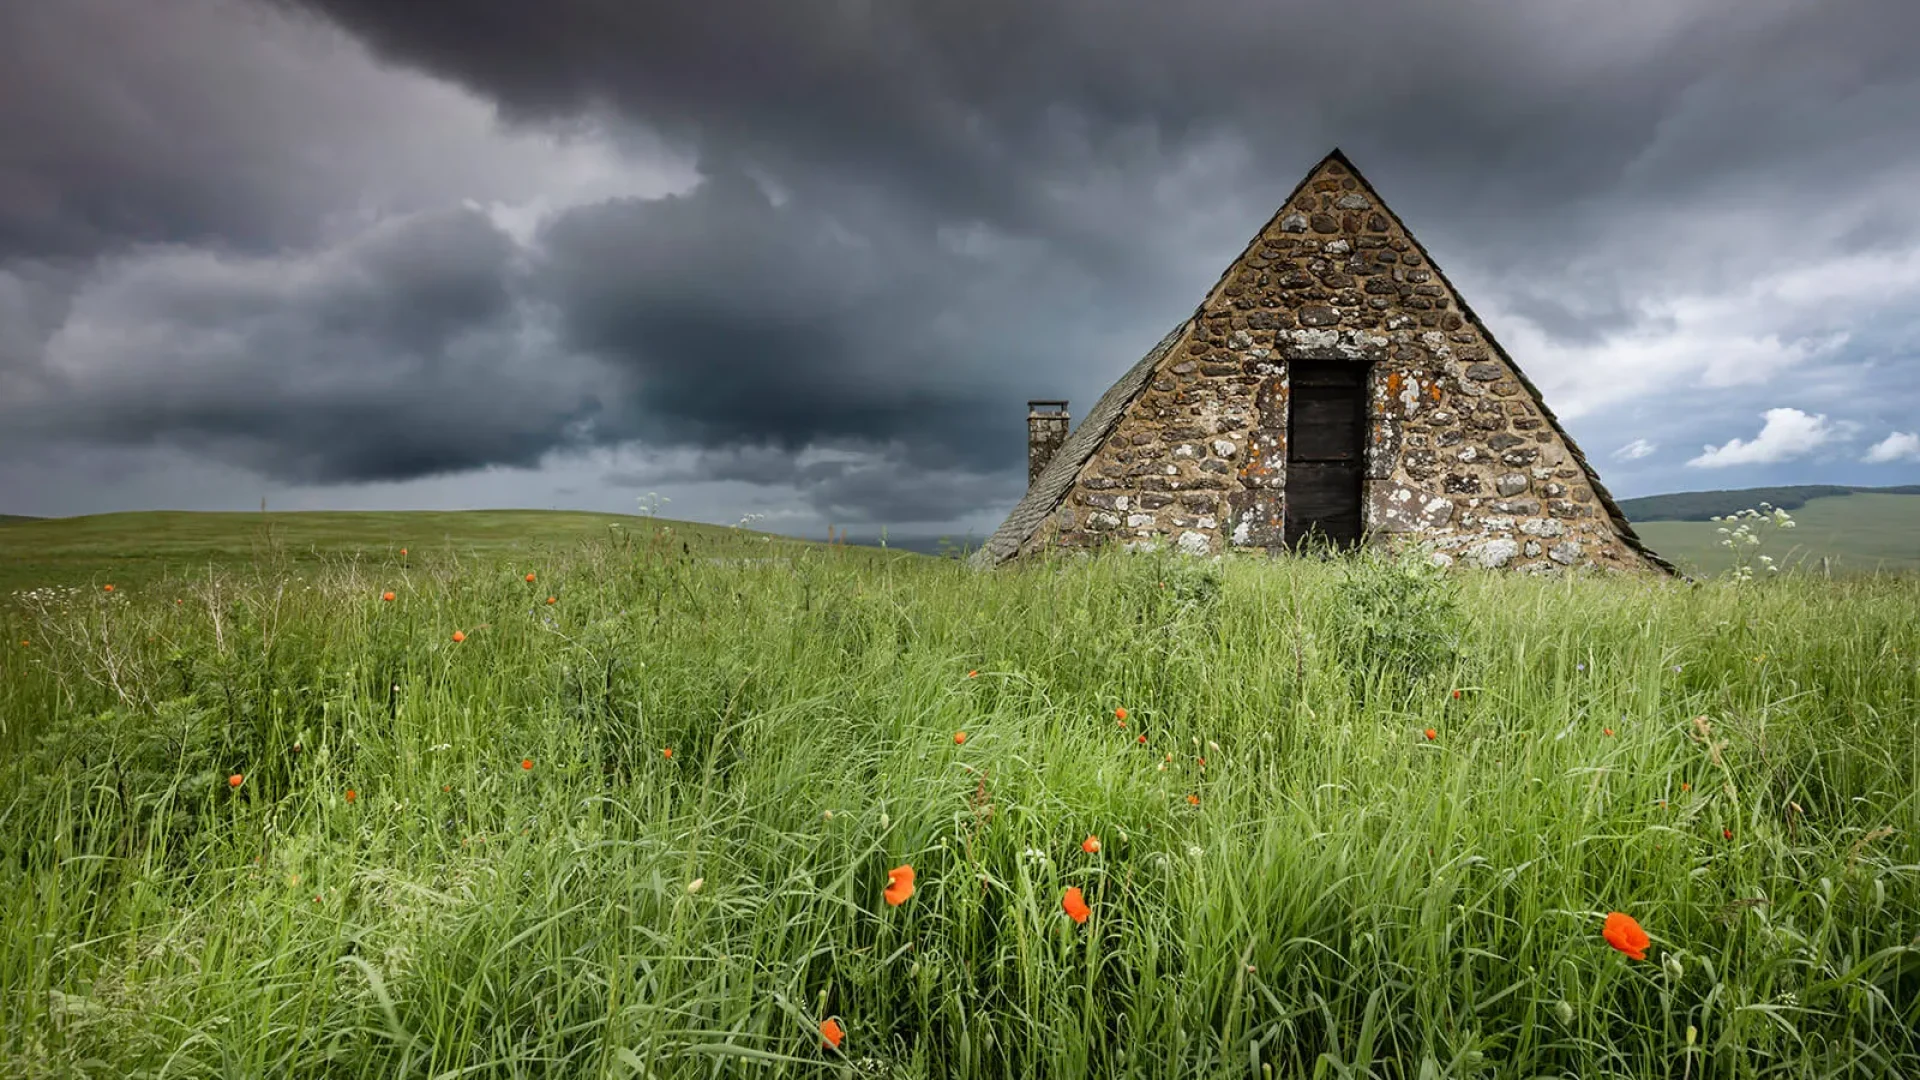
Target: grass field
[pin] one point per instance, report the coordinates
(1858, 533)
(134, 548)
(1356, 821)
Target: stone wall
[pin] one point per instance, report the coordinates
(1460, 454)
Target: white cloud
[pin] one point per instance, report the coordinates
(1787, 434)
(1897, 446)
(1635, 450)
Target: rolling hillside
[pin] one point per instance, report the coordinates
(134, 547)
(1857, 532)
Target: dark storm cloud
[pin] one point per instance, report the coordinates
(224, 228)
(739, 321)
(393, 357)
(1499, 111)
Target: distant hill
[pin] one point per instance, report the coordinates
(5, 518)
(1860, 530)
(1707, 505)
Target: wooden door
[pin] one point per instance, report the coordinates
(1326, 452)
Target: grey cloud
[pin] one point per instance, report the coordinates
(399, 355)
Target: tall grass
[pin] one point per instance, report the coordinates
(1331, 893)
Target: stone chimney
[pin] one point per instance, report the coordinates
(1046, 430)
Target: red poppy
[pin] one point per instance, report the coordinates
(1456, 695)
(1432, 734)
(551, 599)
(1091, 845)
(899, 884)
(352, 794)
(973, 674)
(403, 551)
(1120, 714)
(959, 737)
(1075, 905)
(1193, 800)
(459, 636)
(666, 751)
(1726, 834)
(1624, 934)
(388, 595)
(1684, 786)
(1143, 740)
(108, 588)
(526, 763)
(529, 579)
(235, 780)
(1607, 731)
(830, 1032)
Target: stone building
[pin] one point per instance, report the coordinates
(1334, 388)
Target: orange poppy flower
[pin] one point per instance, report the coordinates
(109, 588)
(529, 579)
(1193, 800)
(459, 636)
(1624, 934)
(959, 737)
(666, 751)
(1091, 845)
(1684, 786)
(899, 884)
(1726, 834)
(1142, 740)
(352, 794)
(1119, 714)
(446, 787)
(235, 780)
(831, 1032)
(1456, 695)
(551, 599)
(973, 674)
(403, 551)
(388, 595)
(1432, 734)
(526, 763)
(1607, 731)
(1075, 905)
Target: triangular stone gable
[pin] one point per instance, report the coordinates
(1189, 447)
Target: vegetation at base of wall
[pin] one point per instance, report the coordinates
(478, 858)
(1707, 505)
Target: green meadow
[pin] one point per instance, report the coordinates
(1858, 533)
(1360, 819)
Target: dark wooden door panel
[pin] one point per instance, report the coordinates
(1324, 498)
(1325, 422)
(1326, 440)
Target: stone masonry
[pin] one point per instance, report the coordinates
(1461, 455)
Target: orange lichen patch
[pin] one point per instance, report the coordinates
(1434, 391)
(1394, 382)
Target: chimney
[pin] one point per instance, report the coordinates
(1046, 430)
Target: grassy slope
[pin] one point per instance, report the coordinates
(1860, 532)
(1705, 505)
(1328, 882)
(133, 548)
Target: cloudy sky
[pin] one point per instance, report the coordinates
(809, 258)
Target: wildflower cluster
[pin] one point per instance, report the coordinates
(1742, 531)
